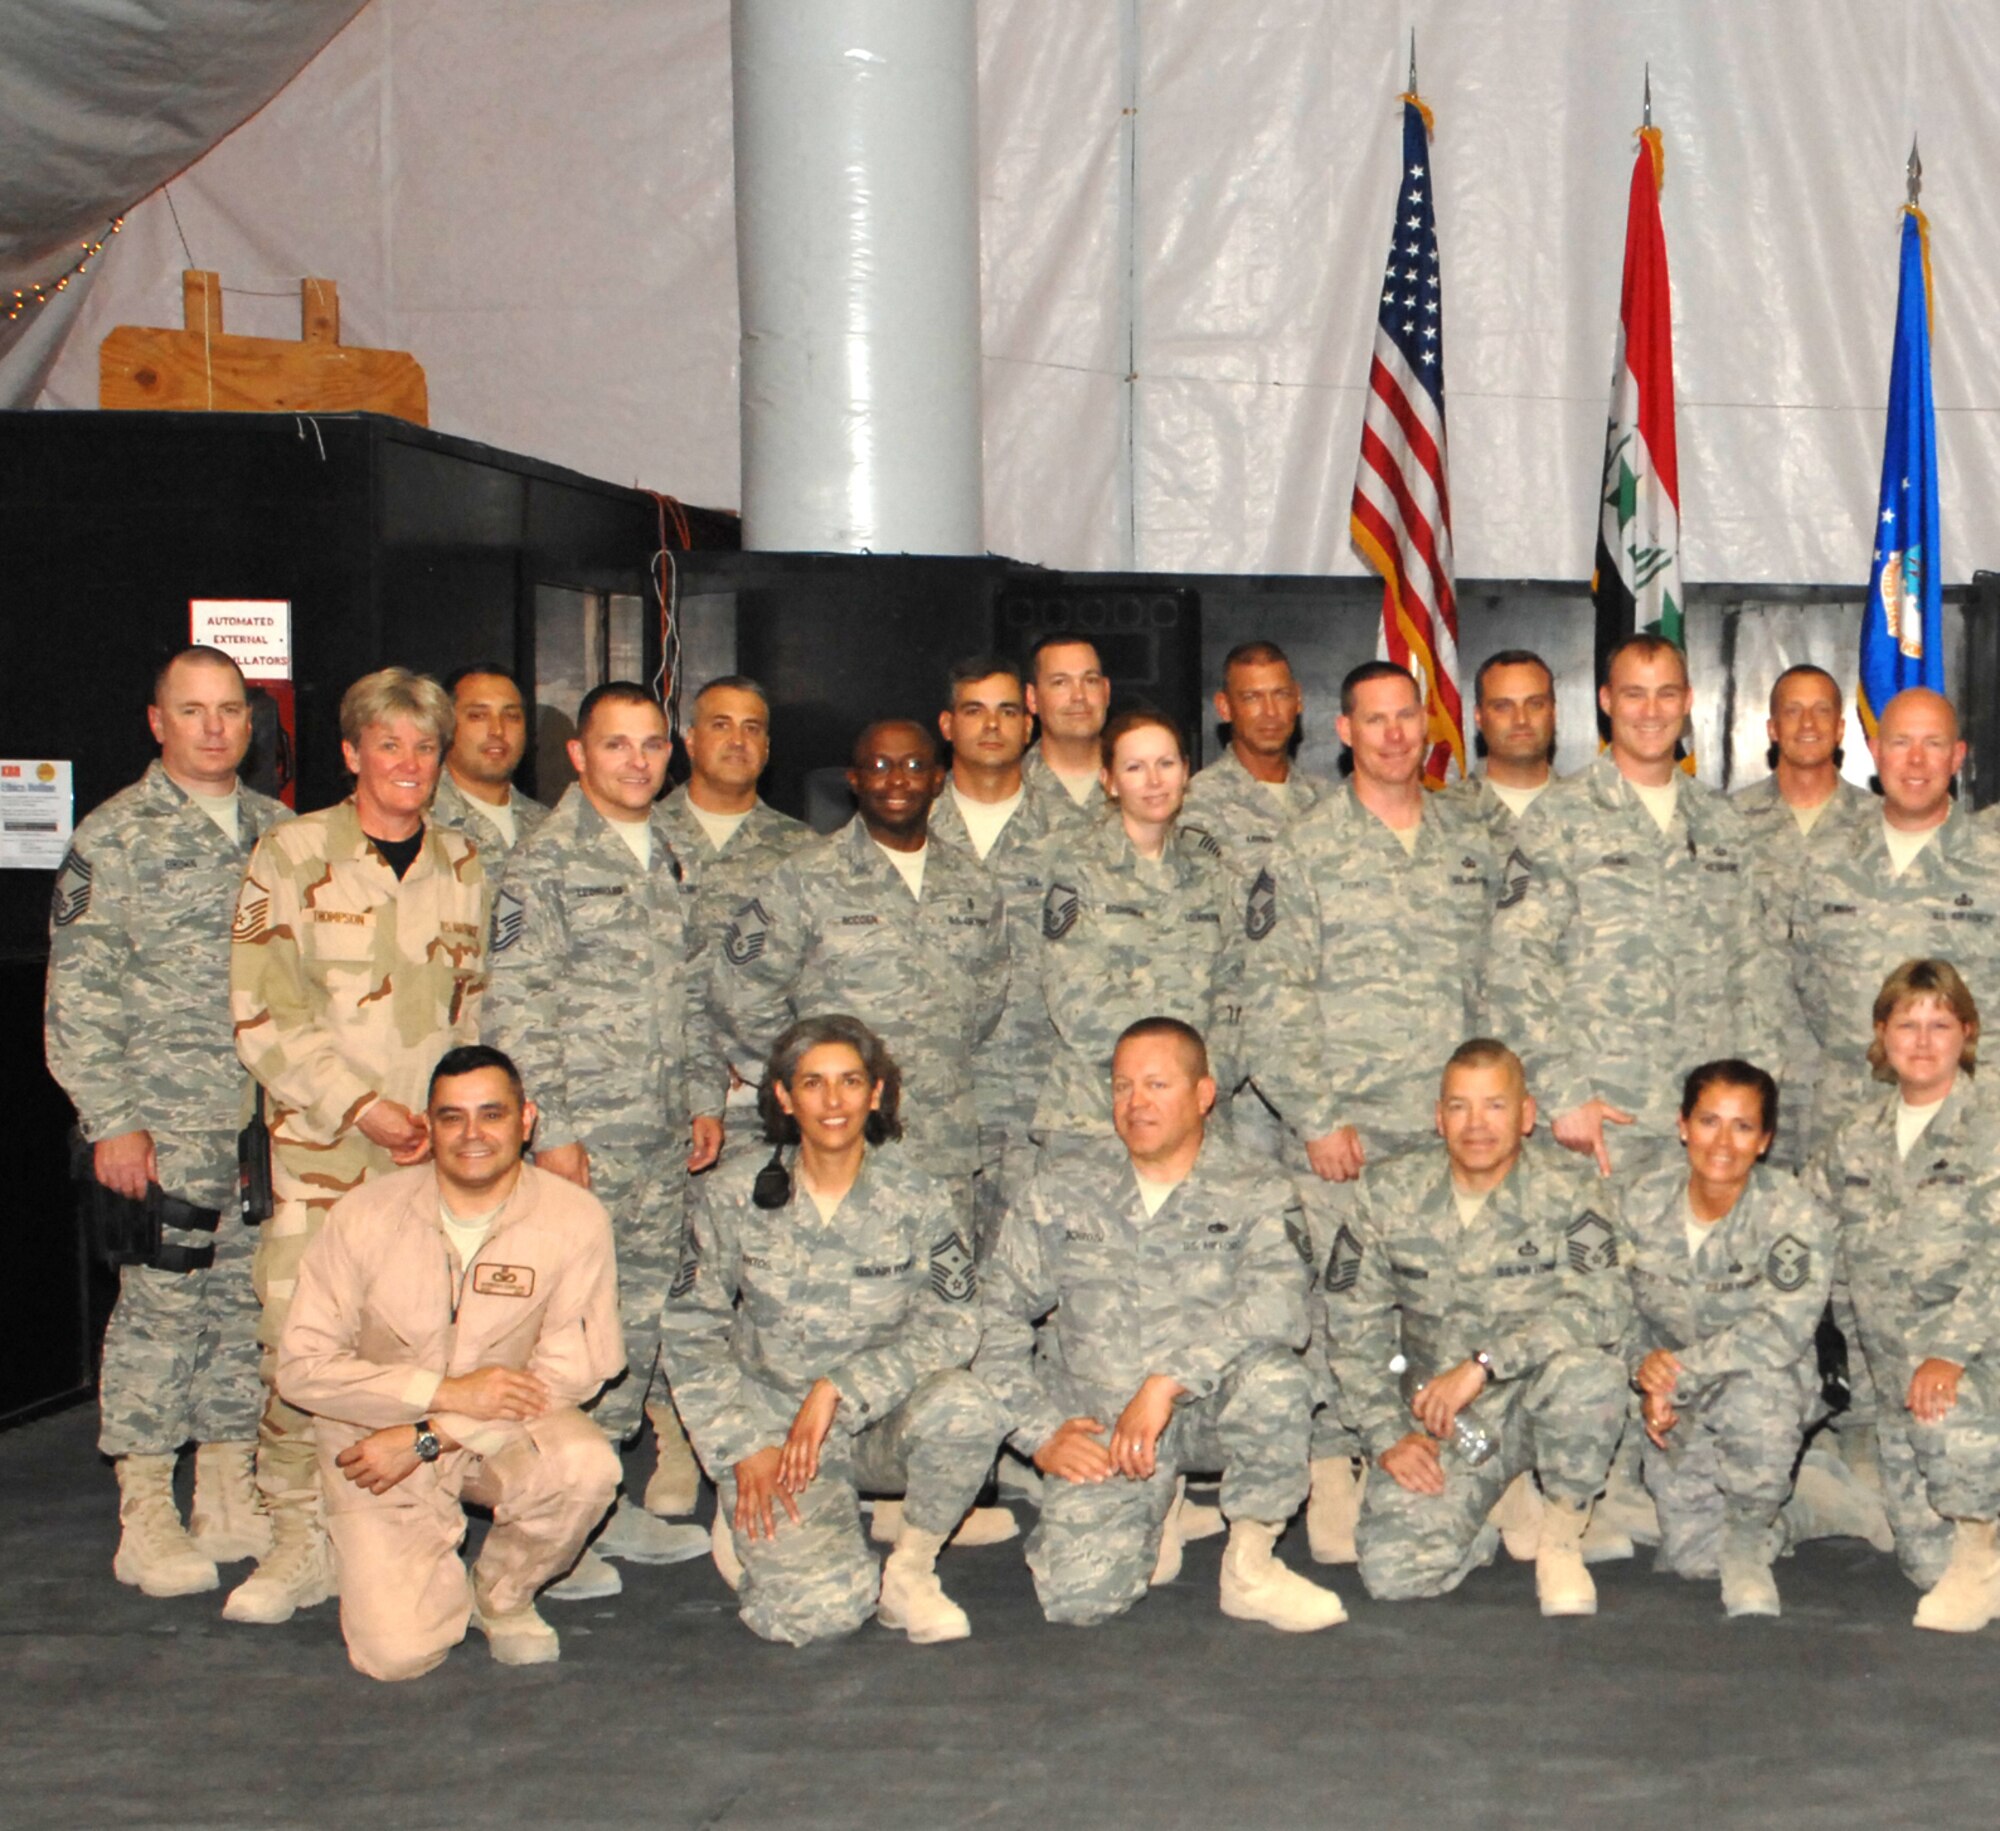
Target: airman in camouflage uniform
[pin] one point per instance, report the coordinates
(837, 929)
(1802, 814)
(730, 845)
(1362, 970)
(1514, 711)
(1920, 1254)
(1169, 1269)
(457, 812)
(139, 1039)
(986, 726)
(1623, 955)
(1121, 937)
(489, 738)
(1068, 692)
(1739, 1316)
(1855, 918)
(591, 993)
(1519, 1310)
(346, 984)
(876, 1299)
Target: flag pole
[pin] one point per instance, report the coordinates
(1413, 60)
(1915, 170)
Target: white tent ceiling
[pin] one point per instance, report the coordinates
(1184, 210)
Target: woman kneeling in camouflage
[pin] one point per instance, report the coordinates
(1730, 1268)
(817, 1335)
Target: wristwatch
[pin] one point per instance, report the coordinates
(427, 1446)
(1484, 1361)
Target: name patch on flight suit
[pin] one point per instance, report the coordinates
(504, 1280)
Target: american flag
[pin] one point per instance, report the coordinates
(1401, 516)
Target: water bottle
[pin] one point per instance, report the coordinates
(1473, 1441)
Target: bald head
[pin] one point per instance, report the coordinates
(1919, 708)
(1917, 751)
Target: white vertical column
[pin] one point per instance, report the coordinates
(857, 256)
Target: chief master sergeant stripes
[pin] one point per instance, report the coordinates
(138, 1034)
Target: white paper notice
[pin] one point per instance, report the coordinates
(255, 633)
(37, 813)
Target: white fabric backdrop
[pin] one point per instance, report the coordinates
(1185, 210)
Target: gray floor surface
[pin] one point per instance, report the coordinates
(118, 1711)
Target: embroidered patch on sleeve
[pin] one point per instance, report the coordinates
(72, 891)
(953, 1277)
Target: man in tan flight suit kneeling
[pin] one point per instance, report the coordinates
(449, 1323)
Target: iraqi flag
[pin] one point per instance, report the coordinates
(1637, 579)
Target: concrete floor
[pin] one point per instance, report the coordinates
(117, 1711)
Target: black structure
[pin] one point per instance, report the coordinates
(390, 542)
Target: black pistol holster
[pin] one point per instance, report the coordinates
(120, 1231)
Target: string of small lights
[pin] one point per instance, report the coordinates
(40, 292)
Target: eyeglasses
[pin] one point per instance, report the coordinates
(897, 766)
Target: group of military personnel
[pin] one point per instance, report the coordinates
(1064, 1114)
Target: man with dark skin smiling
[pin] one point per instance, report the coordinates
(594, 997)
(357, 958)
(873, 920)
(450, 1319)
(476, 795)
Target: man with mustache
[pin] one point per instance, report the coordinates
(476, 795)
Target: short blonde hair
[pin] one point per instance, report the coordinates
(1916, 979)
(391, 693)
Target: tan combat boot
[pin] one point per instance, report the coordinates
(1962, 1601)
(1332, 1510)
(1561, 1582)
(296, 1573)
(1748, 1587)
(982, 1526)
(590, 1579)
(518, 1638)
(155, 1555)
(912, 1599)
(722, 1548)
(1256, 1587)
(676, 1482)
(1518, 1516)
(229, 1521)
